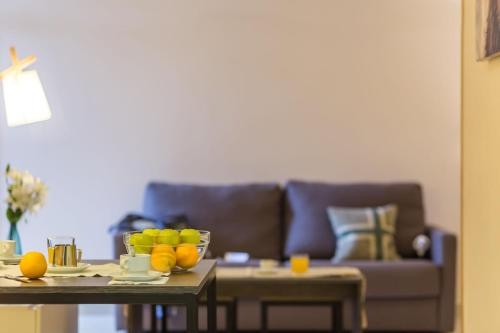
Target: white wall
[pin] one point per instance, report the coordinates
(232, 91)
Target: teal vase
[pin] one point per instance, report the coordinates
(14, 235)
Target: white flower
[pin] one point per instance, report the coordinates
(26, 193)
(27, 179)
(14, 175)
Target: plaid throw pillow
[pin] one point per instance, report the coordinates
(364, 233)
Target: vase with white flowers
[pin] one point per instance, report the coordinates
(26, 194)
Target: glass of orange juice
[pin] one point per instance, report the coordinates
(299, 263)
(50, 250)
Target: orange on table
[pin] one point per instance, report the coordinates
(163, 258)
(187, 255)
(33, 265)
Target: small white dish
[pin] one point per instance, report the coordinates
(14, 260)
(150, 276)
(267, 267)
(68, 269)
(267, 264)
(266, 271)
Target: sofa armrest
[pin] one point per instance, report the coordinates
(444, 254)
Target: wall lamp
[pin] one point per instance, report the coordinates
(25, 100)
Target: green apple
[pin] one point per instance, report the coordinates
(190, 236)
(151, 232)
(133, 238)
(143, 244)
(168, 236)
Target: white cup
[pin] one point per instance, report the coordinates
(7, 248)
(268, 264)
(137, 265)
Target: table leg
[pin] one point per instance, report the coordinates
(212, 306)
(337, 319)
(356, 312)
(164, 318)
(154, 319)
(232, 316)
(263, 317)
(192, 316)
(134, 318)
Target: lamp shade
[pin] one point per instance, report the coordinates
(25, 100)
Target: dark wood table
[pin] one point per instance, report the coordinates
(181, 289)
(271, 290)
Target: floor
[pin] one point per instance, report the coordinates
(96, 318)
(100, 318)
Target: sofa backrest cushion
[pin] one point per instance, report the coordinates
(240, 217)
(308, 228)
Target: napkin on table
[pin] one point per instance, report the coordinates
(109, 269)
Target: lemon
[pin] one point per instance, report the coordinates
(33, 265)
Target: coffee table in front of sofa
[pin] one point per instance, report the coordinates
(290, 289)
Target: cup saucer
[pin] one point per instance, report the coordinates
(266, 271)
(11, 260)
(81, 266)
(150, 276)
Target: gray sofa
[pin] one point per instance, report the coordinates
(268, 221)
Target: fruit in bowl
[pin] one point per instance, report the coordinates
(168, 236)
(163, 258)
(142, 243)
(152, 232)
(190, 236)
(186, 255)
(171, 250)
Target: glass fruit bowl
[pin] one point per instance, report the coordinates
(171, 250)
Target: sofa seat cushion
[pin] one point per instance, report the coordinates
(240, 217)
(396, 279)
(308, 227)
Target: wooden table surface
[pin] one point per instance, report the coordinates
(95, 290)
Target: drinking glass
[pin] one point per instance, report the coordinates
(62, 251)
(299, 263)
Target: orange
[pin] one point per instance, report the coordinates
(33, 265)
(187, 255)
(163, 258)
(163, 248)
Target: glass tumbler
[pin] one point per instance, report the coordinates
(299, 263)
(62, 251)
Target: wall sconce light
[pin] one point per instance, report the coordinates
(25, 100)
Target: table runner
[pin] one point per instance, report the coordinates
(103, 270)
(285, 272)
(109, 269)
